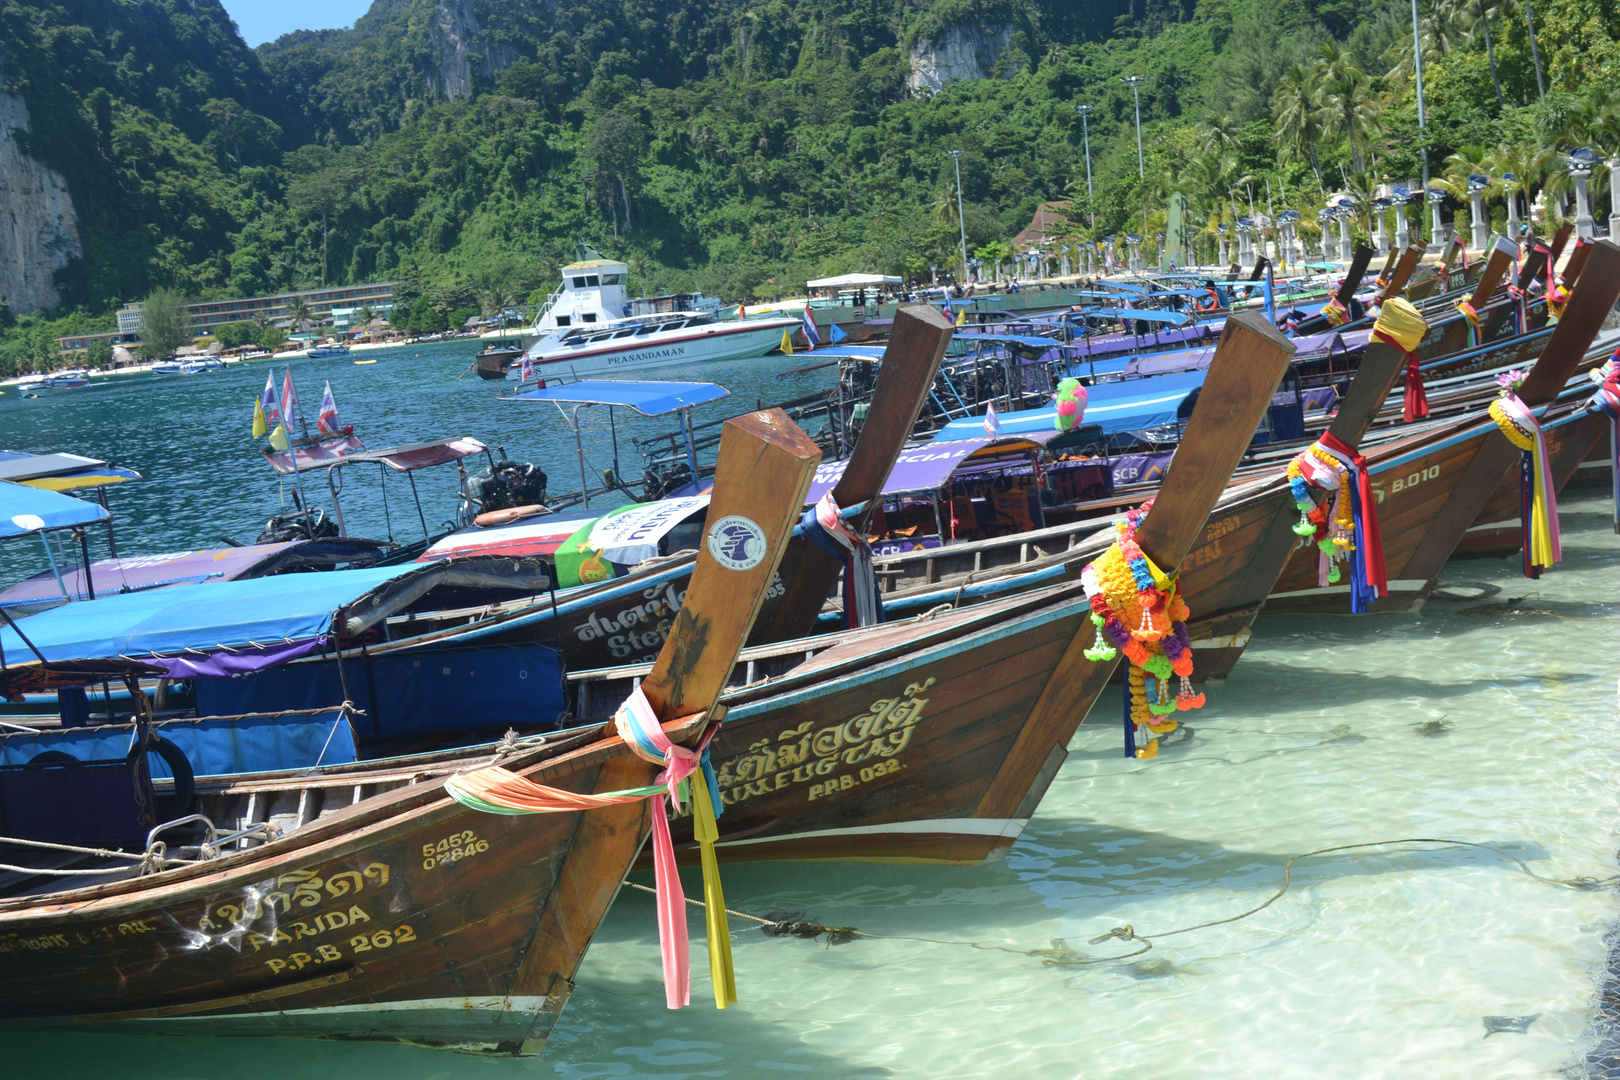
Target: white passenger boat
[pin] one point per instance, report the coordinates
(585, 329)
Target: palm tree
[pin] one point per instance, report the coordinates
(298, 311)
(1530, 167)
(1345, 98)
(1294, 108)
(1472, 17)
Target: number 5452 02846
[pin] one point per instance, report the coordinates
(452, 849)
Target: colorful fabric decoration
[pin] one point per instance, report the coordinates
(1400, 325)
(1336, 313)
(1557, 296)
(494, 790)
(1607, 402)
(1071, 403)
(1471, 317)
(1346, 528)
(1138, 610)
(1538, 497)
(825, 527)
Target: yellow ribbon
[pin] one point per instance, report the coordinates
(714, 900)
(1399, 321)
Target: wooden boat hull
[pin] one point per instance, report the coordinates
(406, 917)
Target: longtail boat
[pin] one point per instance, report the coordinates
(1435, 486)
(934, 738)
(366, 902)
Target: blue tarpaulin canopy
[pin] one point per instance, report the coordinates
(1173, 318)
(1117, 407)
(647, 398)
(25, 510)
(203, 618)
(1033, 341)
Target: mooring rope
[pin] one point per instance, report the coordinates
(791, 925)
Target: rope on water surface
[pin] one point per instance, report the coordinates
(790, 925)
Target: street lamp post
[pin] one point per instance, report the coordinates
(1580, 164)
(1085, 129)
(1423, 142)
(1476, 200)
(1436, 229)
(1509, 183)
(1135, 82)
(956, 159)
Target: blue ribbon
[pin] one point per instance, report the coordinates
(1363, 594)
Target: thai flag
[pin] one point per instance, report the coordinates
(267, 400)
(289, 398)
(811, 338)
(526, 372)
(992, 423)
(327, 422)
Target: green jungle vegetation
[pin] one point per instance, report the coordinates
(741, 146)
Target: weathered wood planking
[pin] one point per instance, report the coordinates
(911, 361)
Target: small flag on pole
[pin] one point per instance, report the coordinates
(837, 334)
(327, 421)
(289, 398)
(278, 437)
(787, 343)
(961, 317)
(526, 372)
(267, 400)
(992, 423)
(811, 338)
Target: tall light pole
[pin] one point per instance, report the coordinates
(1417, 63)
(1085, 128)
(956, 159)
(1135, 82)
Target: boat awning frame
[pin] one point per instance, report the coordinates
(646, 398)
(25, 510)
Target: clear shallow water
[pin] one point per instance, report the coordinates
(1476, 725)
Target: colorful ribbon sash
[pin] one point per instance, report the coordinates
(1399, 324)
(1336, 313)
(494, 790)
(824, 526)
(1607, 401)
(1538, 500)
(1471, 317)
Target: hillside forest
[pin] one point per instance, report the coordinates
(743, 146)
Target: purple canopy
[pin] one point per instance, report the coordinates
(925, 468)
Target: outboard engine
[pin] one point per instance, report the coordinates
(297, 525)
(502, 486)
(661, 478)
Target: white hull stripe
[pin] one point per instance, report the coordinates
(1007, 827)
(650, 342)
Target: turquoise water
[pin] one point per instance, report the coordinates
(1489, 717)
(190, 438)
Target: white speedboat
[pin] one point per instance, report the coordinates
(586, 329)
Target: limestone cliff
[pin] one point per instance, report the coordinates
(462, 48)
(39, 231)
(966, 51)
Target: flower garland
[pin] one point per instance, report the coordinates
(1138, 610)
(1070, 402)
(1351, 533)
(1538, 496)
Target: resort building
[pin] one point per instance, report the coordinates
(323, 304)
(74, 346)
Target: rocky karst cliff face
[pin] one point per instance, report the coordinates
(967, 51)
(456, 32)
(39, 231)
